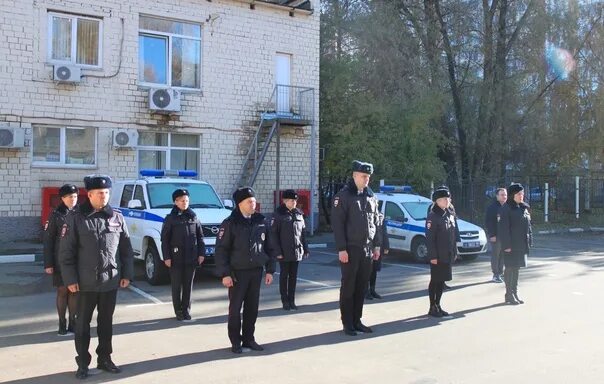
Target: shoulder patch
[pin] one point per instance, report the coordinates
(64, 230)
(336, 201)
(428, 224)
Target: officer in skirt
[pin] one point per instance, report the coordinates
(242, 252)
(288, 245)
(355, 222)
(96, 258)
(376, 264)
(183, 249)
(52, 235)
(442, 234)
(516, 236)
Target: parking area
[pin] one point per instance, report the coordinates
(554, 337)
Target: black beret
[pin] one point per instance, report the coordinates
(439, 192)
(290, 194)
(97, 182)
(67, 189)
(243, 193)
(514, 188)
(178, 193)
(359, 166)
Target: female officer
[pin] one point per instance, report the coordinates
(514, 232)
(441, 237)
(183, 250)
(52, 235)
(289, 245)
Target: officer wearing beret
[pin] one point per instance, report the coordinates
(355, 222)
(96, 258)
(183, 250)
(242, 251)
(52, 235)
(442, 234)
(288, 245)
(516, 236)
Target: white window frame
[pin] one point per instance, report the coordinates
(74, 43)
(168, 150)
(62, 150)
(169, 35)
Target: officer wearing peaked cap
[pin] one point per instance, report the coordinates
(242, 252)
(96, 256)
(355, 221)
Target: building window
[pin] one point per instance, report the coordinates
(74, 39)
(64, 146)
(168, 151)
(169, 53)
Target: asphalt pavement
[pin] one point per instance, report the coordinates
(555, 337)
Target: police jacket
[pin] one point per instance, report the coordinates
(242, 243)
(442, 234)
(514, 232)
(95, 250)
(490, 219)
(52, 236)
(287, 234)
(354, 218)
(182, 237)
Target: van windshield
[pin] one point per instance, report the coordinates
(417, 209)
(200, 195)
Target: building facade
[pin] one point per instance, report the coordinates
(113, 87)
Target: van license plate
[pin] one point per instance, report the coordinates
(473, 244)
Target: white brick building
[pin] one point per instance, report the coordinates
(224, 56)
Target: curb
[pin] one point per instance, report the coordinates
(318, 245)
(28, 258)
(570, 230)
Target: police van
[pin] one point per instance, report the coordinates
(146, 201)
(405, 219)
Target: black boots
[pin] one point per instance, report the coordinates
(62, 327)
(434, 311)
(511, 286)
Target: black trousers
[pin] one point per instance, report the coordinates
(355, 277)
(104, 302)
(288, 277)
(181, 277)
(245, 291)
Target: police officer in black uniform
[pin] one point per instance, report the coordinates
(442, 234)
(242, 251)
(96, 258)
(183, 250)
(516, 236)
(355, 222)
(52, 235)
(288, 245)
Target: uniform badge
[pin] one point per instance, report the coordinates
(428, 224)
(336, 201)
(262, 236)
(64, 230)
(46, 226)
(498, 217)
(175, 249)
(220, 233)
(272, 221)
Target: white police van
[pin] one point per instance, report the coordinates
(146, 201)
(405, 219)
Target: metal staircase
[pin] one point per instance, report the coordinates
(288, 105)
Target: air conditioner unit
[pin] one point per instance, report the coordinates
(164, 100)
(12, 137)
(125, 138)
(67, 74)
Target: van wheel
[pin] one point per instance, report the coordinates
(419, 249)
(155, 269)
